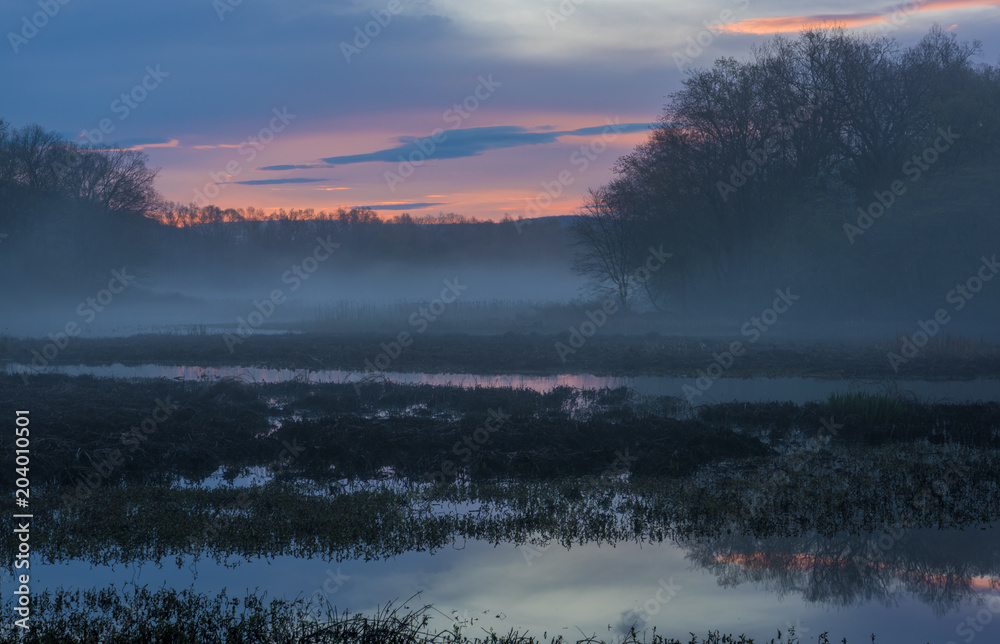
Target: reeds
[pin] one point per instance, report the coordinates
(109, 616)
(869, 408)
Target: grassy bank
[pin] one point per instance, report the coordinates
(535, 353)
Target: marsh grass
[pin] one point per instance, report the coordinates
(866, 407)
(529, 351)
(337, 431)
(851, 488)
(110, 616)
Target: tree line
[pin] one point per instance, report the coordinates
(70, 213)
(760, 168)
(65, 206)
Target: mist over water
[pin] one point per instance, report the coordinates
(734, 369)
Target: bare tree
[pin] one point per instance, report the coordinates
(607, 235)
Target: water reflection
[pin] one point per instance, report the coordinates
(796, 390)
(916, 590)
(943, 569)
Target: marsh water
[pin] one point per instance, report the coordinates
(757, 389)
(904, 585)
(921, 586)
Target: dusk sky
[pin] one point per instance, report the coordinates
(283, 104)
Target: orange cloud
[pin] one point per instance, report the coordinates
(172, 143)
(890, 15)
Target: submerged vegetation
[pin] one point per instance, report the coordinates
(795, 497)
(147, 430)
(763, 177)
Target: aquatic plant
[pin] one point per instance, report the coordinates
(112, 616)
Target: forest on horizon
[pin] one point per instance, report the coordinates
(855, 171)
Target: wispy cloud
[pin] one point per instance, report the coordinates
(271, 182)
(142, 142)
(467, 142)
(404, 206)
(784, 24)
(293, 167)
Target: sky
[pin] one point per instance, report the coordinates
(484, 108)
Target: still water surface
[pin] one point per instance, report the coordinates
(796, 390)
